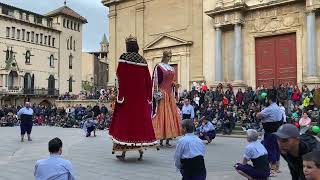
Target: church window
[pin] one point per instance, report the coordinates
(53, 41)
(45, 40)
(70, 61)
(70, 84)
(28, 57)
(23, 34)
(64, 22)
(8, 32)
(71, 43)
(67, 23)
(71, 25)
(74, 45)
(32, 36)
(51, 62)
(28, 36)
(37, 38)
(41, 37)
(49, 40)
(78, 27)
(18, 33)
(13, 32)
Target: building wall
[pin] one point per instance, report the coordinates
(148, 20)
(39, 61)
(41, 50)
(76, 52)
(289, 17)
(87, 66)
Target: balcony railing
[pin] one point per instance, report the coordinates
(42, 92)
(13, 88)
(36, 92)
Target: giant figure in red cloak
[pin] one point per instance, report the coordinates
(131, 128)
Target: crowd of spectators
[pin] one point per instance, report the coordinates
(69, 117)
(225, 107)
(102, 95)
(222, 106)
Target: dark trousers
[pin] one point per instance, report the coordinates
(186, 116)
(211, 135)
(199, 177)
(90, 129)
(271, 144)
(26, 126)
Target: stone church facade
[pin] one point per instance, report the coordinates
(243, 42)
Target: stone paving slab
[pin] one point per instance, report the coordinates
(92, 158)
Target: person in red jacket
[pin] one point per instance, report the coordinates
(239, 97)
(225, 100)
(296, 95)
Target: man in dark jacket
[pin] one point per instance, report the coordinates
(293, 146)
(282, 96)
(96, 110)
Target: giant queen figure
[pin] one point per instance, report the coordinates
(131, 128)
(166, 118)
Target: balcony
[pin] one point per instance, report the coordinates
(13, 90)
(33, 92)
(41, 92)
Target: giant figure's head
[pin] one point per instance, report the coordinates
(132, 44)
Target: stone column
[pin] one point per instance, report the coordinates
(218, 55)
(311, 46)
(4, 82)
(238, 65)
(113, 56)
(139, 26)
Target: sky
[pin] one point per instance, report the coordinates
(92, 10)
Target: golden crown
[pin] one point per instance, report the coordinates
(131, 39)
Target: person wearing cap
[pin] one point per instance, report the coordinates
(258, 155)
(293, 146)
(271, 118)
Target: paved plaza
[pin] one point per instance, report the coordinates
(92, 158)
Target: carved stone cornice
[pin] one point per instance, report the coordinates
(238, 7)
(140, 7)
(109, 3)
(272, 4)
(112, 14)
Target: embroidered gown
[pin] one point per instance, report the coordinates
(166, 119)
(131, 126)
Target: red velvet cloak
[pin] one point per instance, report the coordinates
(131, 122)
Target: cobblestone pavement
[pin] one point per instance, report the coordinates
(92, 158)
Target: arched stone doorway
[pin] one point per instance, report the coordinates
(46, 103)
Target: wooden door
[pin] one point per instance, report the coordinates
(276, 60)
(286, 59)
(265, 62)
